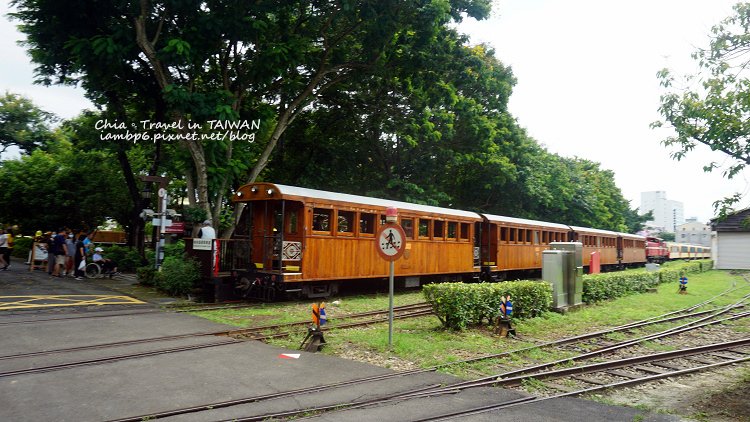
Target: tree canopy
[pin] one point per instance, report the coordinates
(384, 98)
(712, 107)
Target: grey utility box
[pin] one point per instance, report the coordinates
(554, 271)
(574, 279)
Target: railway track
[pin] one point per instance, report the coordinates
(233, 337)
(706, 318)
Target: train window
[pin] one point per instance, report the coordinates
(291, 218)
(536, 237)
(512, 235)
(598, 241)
(464, 231)
(528, 236)
(438, 229)
(321, 220)
(408, 225)
(366, 223)
(503, 234)
(545, 237)
(345, 222)
(674, 249)
(692, 249)
(424, 227)
(452, 226)
(521, 235)
(382, 219)
(684, 249)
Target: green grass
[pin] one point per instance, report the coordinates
(424, 342)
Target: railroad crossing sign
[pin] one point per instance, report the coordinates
(390, 241)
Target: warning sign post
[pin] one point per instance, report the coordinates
(390, 243)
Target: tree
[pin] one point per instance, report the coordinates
(61, 187)
(22, 124)
(222, 59)
(715, 112)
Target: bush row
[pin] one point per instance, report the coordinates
(599, 287)
(458, 305)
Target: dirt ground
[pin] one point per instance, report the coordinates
(720, 396)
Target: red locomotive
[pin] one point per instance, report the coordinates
(656, 250)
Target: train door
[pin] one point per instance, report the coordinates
(620, 253)
(488, 244)
(277, 234)
(478, 243)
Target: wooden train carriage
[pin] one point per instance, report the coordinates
(304, 239)
(510, 244)
(614, 248)
(595, 240)
(633, 248)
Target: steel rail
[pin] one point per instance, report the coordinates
(484, 380)
(181, 336)
(264, 397)
(32, 321)
(535, 399)
(87, 362)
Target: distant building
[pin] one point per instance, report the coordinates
(731, 248)
(693, 232)
(668, 214)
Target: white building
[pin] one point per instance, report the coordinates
(731, 248)
(693, 232)
(668, 214)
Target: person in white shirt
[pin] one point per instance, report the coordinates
(207, 232)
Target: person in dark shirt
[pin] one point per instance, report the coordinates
(59, 249)
(79, 257)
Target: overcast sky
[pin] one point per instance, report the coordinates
(587, 84)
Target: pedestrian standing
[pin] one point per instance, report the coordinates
(49, 245)
(3, 249)
(80, 257)
(59, 249)
(70, 243)
(9, 251)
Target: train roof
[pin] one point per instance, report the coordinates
(306, 193)
(607, 232)
(513, 220)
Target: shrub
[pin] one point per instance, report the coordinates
(458, 305)
(178, 275)
(22, 246)
(127, 258)
(146, 275)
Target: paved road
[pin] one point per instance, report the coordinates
(40, 314)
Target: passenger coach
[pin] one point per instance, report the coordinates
(306, 240)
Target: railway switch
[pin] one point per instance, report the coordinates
(683, 285)
(504, 326)
(314, 340)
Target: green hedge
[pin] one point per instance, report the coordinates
(459, 305)
(178, 275)
(22, 246)
(599, 287)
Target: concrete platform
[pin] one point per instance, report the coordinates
(220, 370)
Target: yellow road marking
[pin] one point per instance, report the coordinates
(43, 301)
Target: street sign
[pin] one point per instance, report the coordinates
(390, 242)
